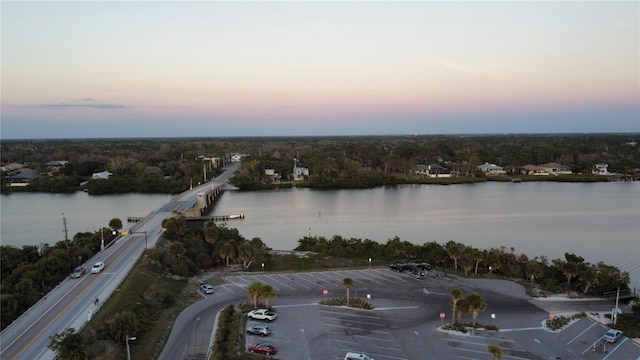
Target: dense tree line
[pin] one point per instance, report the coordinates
(172, 165)
(188, 247)
(30, 272)
(569, 274)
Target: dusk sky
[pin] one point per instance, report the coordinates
(96, 69)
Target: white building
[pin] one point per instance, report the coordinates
(492, 169)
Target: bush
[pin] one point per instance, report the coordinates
(354, 303)
(562, 321)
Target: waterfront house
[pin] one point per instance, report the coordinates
(602, 169)
(23, 177)
(556, 169)
(492, 169)
(272, 174)
(101, 175)
(433, 170)
(299, 173)
(534, 170)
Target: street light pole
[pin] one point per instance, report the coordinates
(127, 338)
(263, 268)
(369, 263)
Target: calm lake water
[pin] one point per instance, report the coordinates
(600, 221)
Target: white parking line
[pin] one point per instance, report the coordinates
(585, 330)
(304, 279)
(484, 352)
(615, 348)
(351, 327)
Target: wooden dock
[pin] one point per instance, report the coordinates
(622, 295)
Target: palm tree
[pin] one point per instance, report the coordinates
(476, 304)
(211, 233)
(244, 252)
(253, 291)
(456, 295)
(348, 284)
(495, 351)
(227, 250)
(478, 256)
(177, 250)
(69, 345)
(454, 253)
(570, 270)
(534, 270)
(267, 293)
(124, 325)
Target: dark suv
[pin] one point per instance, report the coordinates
(78, 272)
(396, 267)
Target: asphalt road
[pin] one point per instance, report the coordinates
(405, 322)
(71, 304)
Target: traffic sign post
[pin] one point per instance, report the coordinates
(442, 315)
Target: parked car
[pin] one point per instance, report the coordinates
(206, 288)
(356, 356)
(396, 267)
(262, 314)
(262, 330)
(411, 267)
(263, 348)
(612, 336)
(424, 266)
(97, 267)
(78, 272)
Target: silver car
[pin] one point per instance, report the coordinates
(260, 329)
(612, 336)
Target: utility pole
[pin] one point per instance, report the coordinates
(66, 233)
(615, 311)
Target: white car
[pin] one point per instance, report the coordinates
(356, 356)
(97, 267)
(206, 288)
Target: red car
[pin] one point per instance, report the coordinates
(263, 348)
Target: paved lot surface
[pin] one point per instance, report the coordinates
(405, 322)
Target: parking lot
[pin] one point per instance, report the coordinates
(405, 322)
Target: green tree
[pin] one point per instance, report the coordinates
(347, 283)
(456, 296)
(589, 277)
(267, 293)
(124, 324)
(496, 351)
(115, 224)
(534, 270)
(211, 233)
(227, 250)
(69, 345)
(476, 303)
(570, 270)
(244, 253)
(253, 291)
(454, 253)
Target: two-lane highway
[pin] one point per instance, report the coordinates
(72, 303)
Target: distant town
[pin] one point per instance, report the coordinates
(167, 165)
